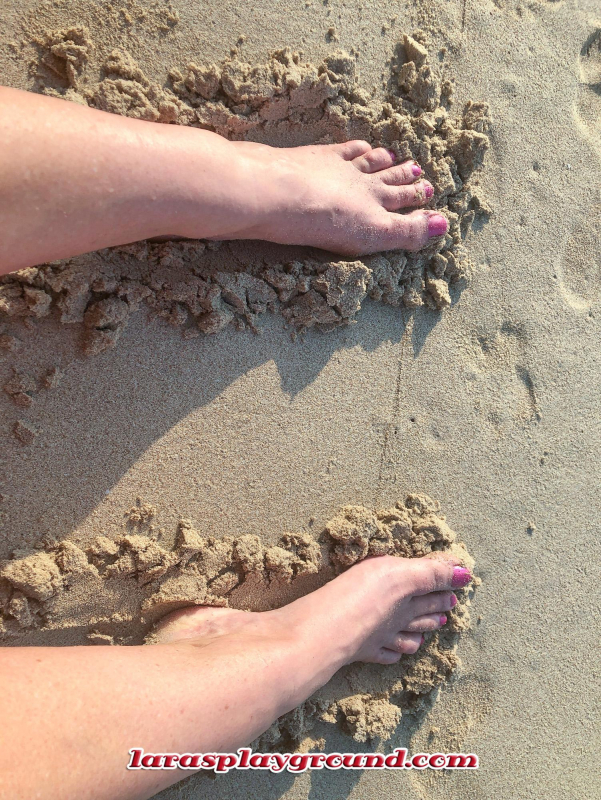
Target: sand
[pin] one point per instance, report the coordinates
(479, 390)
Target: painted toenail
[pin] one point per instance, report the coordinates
(437, 225)
(423, 639)
(392, 154)
(428, 191)
(461, 577)
(443, 619)
(416, 170)
(453, 601)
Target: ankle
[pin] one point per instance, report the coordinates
(319, 632)
(257, 197)
(210, 187)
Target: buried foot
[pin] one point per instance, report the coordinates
(374, 612)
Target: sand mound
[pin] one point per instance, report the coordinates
(202, 287)
(135, 580)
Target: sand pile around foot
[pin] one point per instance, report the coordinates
(135, 580)
(202, 287)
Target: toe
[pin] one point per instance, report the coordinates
(352, 149)
(433, 603)
(386, 656)
(375, 160)
(427, 622)
(405, 643)
(438, 224)
(401, 175)
(413, 194)
(413, 231)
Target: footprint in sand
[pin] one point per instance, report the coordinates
(580, 272)
(505, 389)
(589, 93)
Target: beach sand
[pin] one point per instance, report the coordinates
(183, 422)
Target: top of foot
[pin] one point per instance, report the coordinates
(342, 198)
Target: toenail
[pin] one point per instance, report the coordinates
(453, 601)
(416, 170)
(461, 577)
(423, 639)
(392, 154)
(428, 191)
(443, 619)
(437, 225)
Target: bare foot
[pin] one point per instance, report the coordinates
(339, 197)
(375, 611)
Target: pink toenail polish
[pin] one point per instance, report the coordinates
(428, 191)
(416, 170)
(437, 225)
(461, 577)
(443, 619)
(392, 155)
(423, 639)
(453, 601)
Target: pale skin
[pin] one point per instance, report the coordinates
(72, 180)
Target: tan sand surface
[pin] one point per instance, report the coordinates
(117, 467)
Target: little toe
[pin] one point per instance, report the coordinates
(405, 643)
(427, 622)
(386, 656)
(351, 150)
(375, 160)
(401, 174)
(413, 194)
(433, 603)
